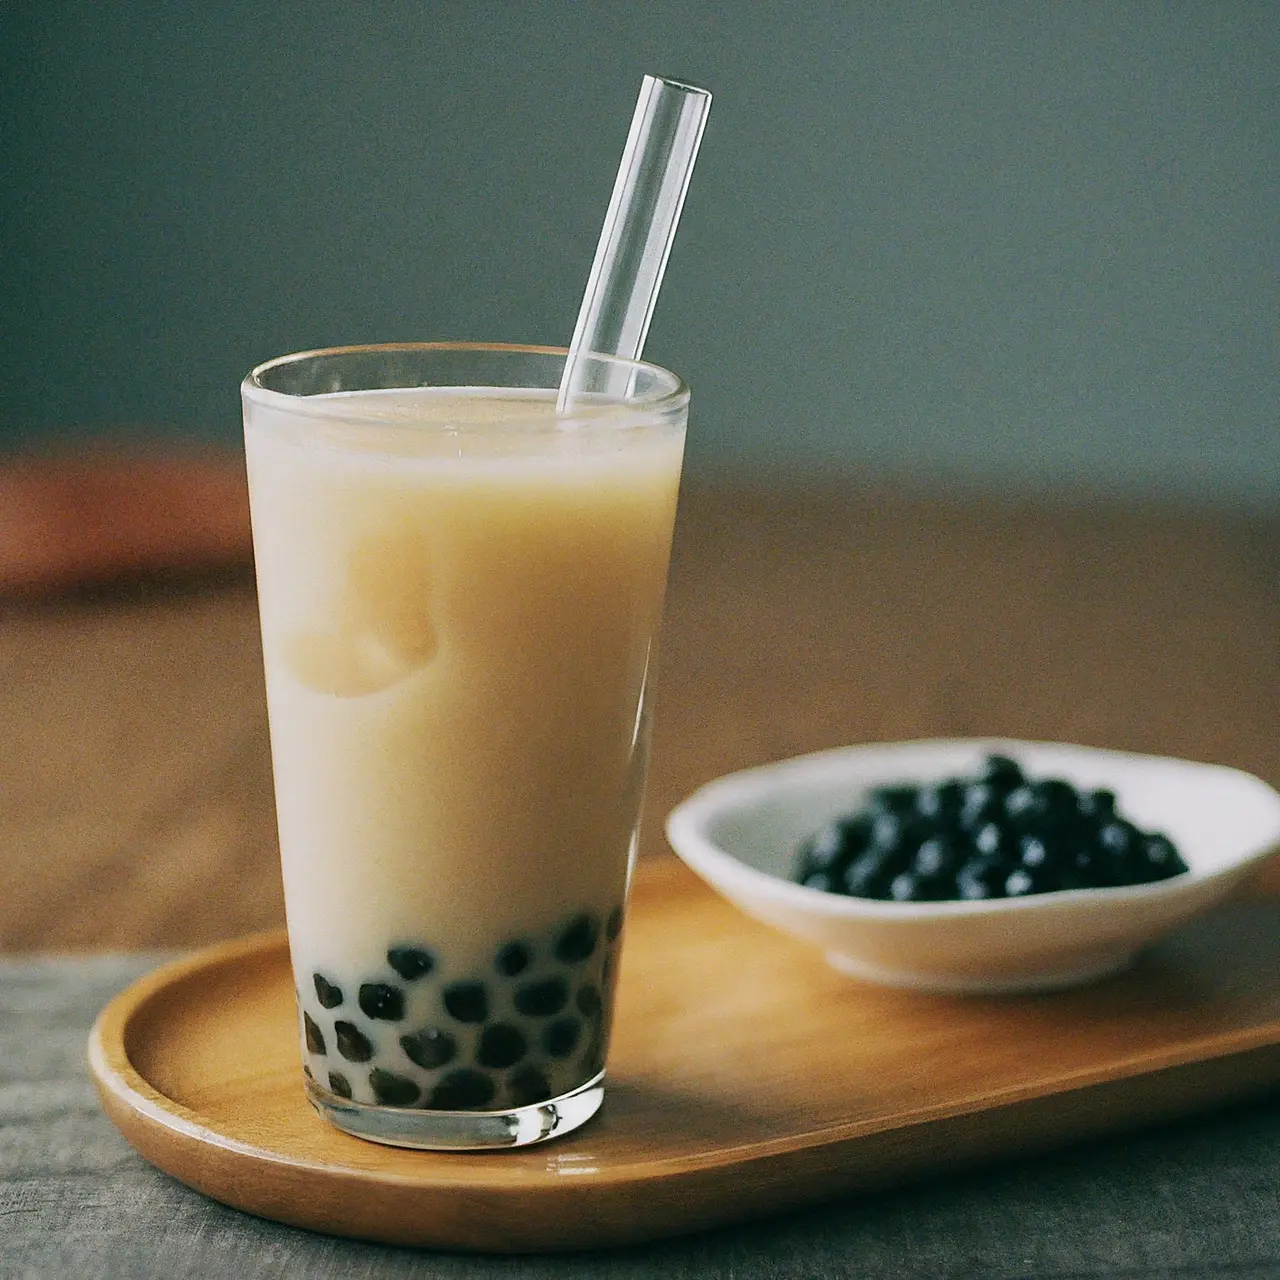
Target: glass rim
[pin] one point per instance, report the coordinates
(674, 397)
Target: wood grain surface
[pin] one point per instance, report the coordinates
(1186, 1199)
(135, 799)
(746, 1076)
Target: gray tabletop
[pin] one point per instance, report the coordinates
(1194, 1199)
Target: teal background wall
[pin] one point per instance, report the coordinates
(1016, 245)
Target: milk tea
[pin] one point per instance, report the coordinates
(459, 600)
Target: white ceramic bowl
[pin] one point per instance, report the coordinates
(740, 834)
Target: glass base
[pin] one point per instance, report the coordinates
(461, 1130)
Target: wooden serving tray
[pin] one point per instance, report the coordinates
(746, 1077)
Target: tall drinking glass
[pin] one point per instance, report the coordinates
(459, 593)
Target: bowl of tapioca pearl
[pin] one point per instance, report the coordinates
(978, 865)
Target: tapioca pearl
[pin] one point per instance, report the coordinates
(577, 939)
(353, 1044)
(613, 925)
(1034, 852)
(560, 1038)
(992, 840)
(462, 1090)
(467, 1001)
(527, 1085)
(315, 1037)
(827, 853)
(588, 1000)
(1002, 774)
(1025, 806)
(1022, 881)
(391, 1090)
(500, 1046)
(1162, 858)
(542, 999)
(1099, 805)
(940, 803)
(381, 1001)
(328, 993)
(429, 1048)
(980, 804)
(982, 877)
(411, 963)
(339, 1084)
(868, 875)
(306, 1071)
(513, 958)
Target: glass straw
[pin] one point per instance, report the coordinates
(639, 227)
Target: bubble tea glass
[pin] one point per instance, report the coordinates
(459, 595)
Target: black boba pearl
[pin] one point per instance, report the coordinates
(935, 857)
(1001, 774)
(894, 841)
(1162, 859)
(411, 963)
(542, 999)
(824, 852)
(588, 1000)
(1117, 838)
(527, 1086)
(1121, 845)
(328, 993)
(824, 881)
(391, 1090)
(940, 805)
(991, 840)
(982, 878)
(1100, 804)
(979, 805)
(1048, 858)
(513, 958)
(461, 1090)
(905, 887)
(315, 1037)
(894, 799)
(1059, 798)
(339, 1084)
(467, 1001)
(381, 1001)
(500, 1046)
(854, 834)
(1091, 869)
(613, 925)
(871, 872)
(1024, 805)
(353, 1044)
(578, 940)
(429, 1048)
(560, 1038)
(1033, 852)
(888, 831)
(1020, 883)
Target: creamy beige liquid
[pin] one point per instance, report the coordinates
(458, 604)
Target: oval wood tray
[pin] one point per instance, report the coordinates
(745, 1077)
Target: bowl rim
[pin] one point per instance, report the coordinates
(685, 829)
